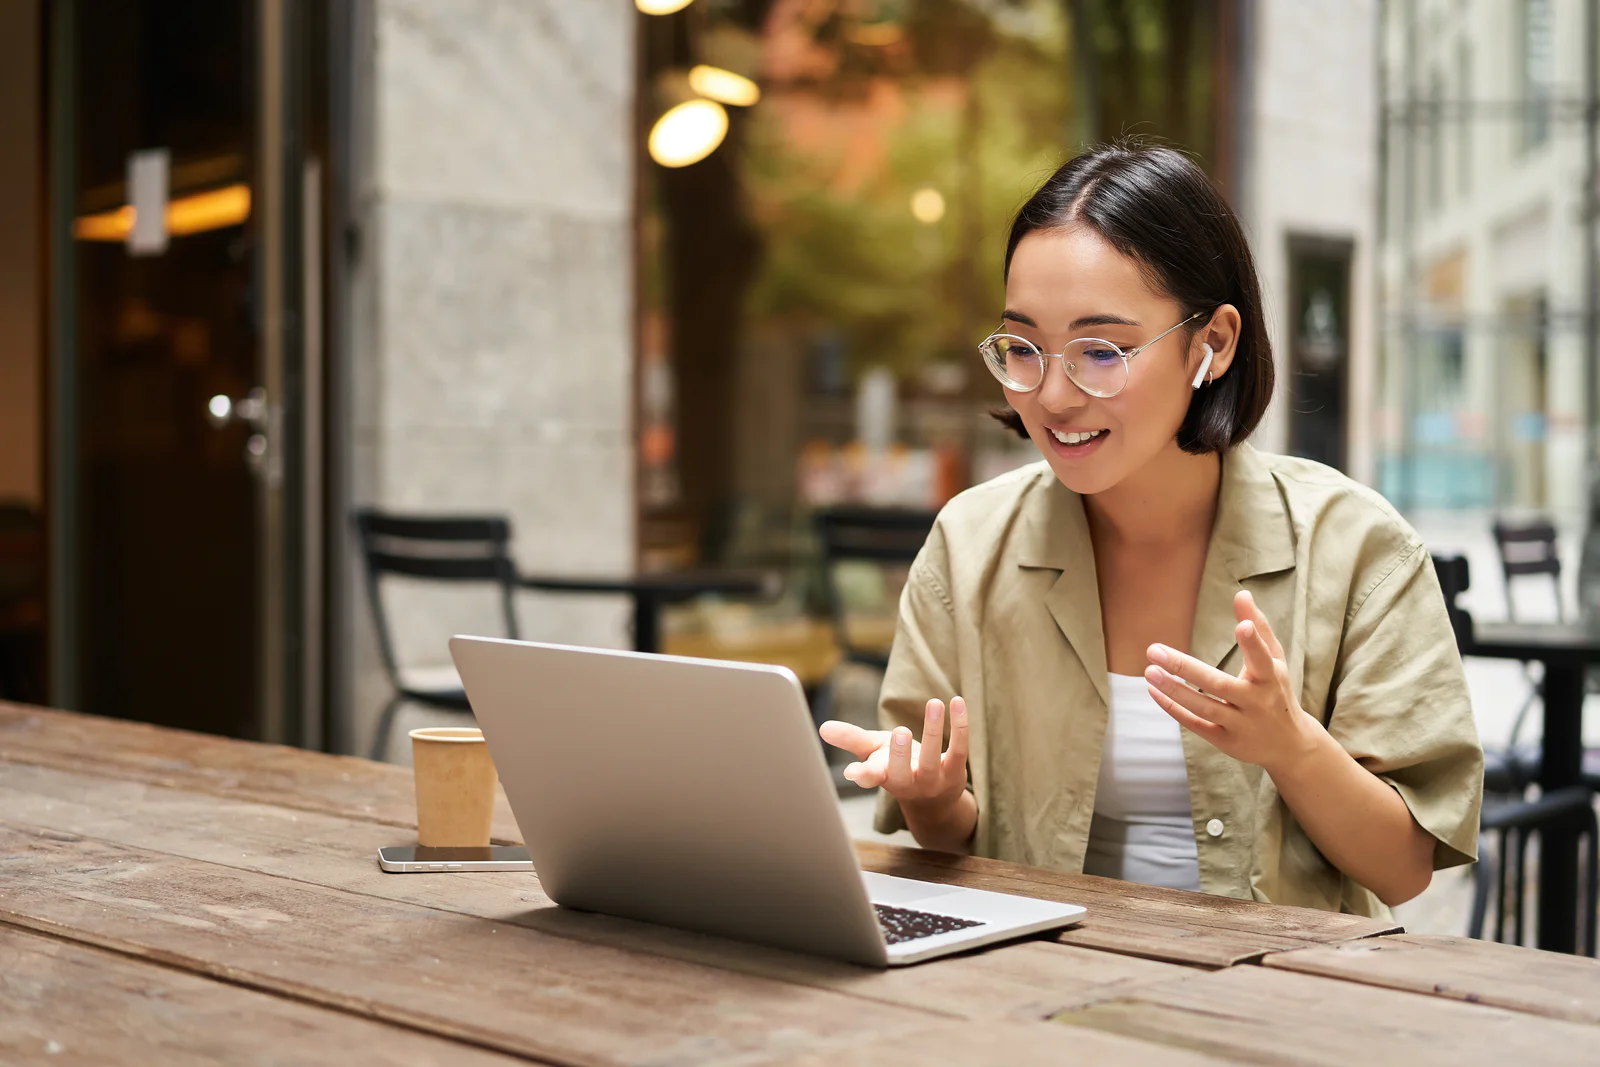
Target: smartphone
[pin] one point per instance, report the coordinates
(418, 859)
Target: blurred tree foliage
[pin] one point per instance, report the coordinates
(977, 99)
(801, 224)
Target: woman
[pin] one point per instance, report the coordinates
(1168, 657)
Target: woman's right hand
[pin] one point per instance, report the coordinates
(919, 776)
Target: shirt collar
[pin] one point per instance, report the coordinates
(1252, 537)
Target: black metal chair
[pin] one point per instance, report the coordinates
(887, 537)
(1507, 815)
(1513, 822)
(1529, 550)
(855, 534)
(457, 549)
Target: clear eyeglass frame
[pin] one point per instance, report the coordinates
(995, 360)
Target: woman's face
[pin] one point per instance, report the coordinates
(1066, 284)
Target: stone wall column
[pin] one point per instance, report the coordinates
(494, 330)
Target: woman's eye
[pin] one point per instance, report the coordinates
(1102, 354)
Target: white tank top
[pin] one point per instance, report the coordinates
(1143, 827)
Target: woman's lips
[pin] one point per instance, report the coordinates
(1077, 451)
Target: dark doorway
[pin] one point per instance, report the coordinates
(1319, 348)
(177, 367)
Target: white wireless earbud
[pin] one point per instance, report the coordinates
(1205, 365)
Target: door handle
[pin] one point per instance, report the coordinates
(250, 409)
(260, 415)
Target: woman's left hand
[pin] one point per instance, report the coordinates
(1256, 717)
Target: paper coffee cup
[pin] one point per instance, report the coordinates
(455, 786)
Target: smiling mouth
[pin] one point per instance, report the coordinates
(1077, 438)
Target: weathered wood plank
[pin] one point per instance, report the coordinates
(271, 774)
(1262, 1015)
(1139, 919)
(71, 1004)
(495, 984)
(1480, 972)
(1023, 981)
(1012, 1044)
(1135, 920)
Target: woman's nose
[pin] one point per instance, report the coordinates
(1058, 392)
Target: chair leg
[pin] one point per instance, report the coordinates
(1482, 872)
(1591, 906)
(380, 740)
(1519, 885)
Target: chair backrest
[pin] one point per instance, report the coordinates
(1528, 549)
(441, 548)
(858, 534)
(1454, 579)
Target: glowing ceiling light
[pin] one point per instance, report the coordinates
(228, 206)
(927, 204)
(106, 226)
(661, 7)
(724, 85)
(220, 407)
(688, 133)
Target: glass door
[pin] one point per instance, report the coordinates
(179, 181)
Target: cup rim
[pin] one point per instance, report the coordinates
(448, 734)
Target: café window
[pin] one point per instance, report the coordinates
(824, 203)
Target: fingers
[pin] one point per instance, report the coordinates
(895, 761)
(955, 759)
(898, 776)
(1258, 658)
(1245, 607)
(852, 738)
(871, 772)
(868, 775)
(1196, 672)
(1186, 718)
(1200, 705)
(932, 740)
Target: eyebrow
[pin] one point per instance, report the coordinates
(1086, 320)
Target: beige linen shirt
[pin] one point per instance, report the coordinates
(1002, 607)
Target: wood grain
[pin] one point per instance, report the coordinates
(1030, 980)
(1011, 1044)
(221, 766)
(1143, 921)
(498, 985)
(70, 1004)
(1263, 1015)
(1479, 972)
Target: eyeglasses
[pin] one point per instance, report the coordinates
(1097, 367)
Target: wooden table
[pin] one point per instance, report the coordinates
(1567, 650)
(177, 898)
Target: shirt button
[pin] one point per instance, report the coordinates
(1214, 827)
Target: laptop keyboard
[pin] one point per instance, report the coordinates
(903, 924)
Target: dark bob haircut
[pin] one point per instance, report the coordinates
(1156, 207)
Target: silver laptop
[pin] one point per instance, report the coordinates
(694, 793)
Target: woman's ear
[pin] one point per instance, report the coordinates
(1221, 334)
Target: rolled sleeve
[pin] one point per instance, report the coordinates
(1401, 706)
(920, 659)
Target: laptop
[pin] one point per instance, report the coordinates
(695, 794)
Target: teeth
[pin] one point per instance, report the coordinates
(1076, 438)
